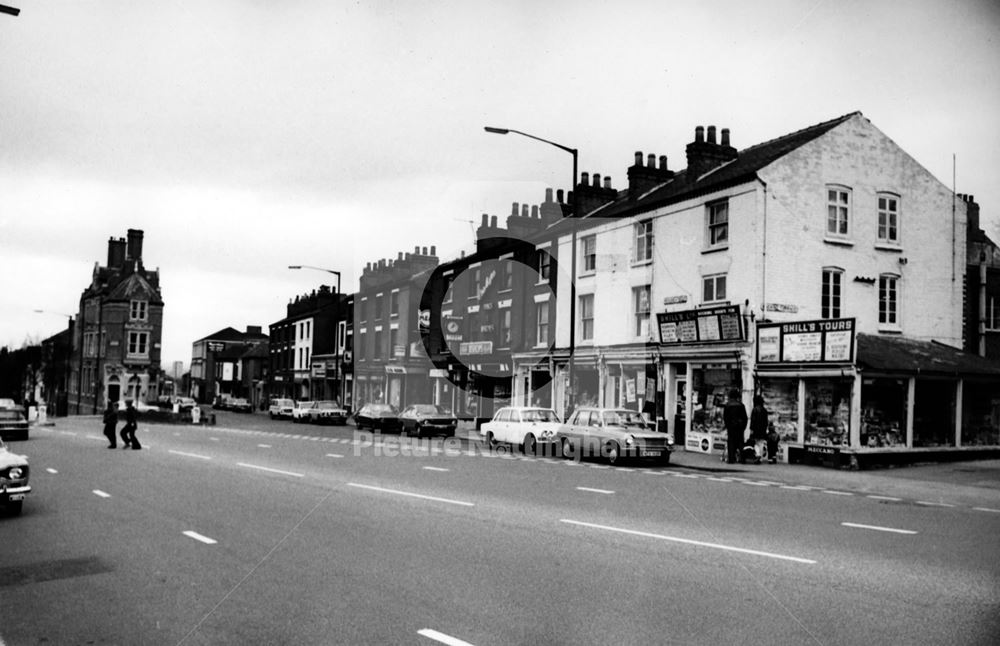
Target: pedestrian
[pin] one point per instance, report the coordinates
(734, 416)
(128, 431)
(758, 426)
(110, 421)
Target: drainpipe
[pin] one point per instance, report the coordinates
(982, 304)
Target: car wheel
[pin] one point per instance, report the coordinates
(14, 508)
(567, 448)
(613, 453)
(530, 445)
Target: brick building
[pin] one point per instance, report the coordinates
(217, 364)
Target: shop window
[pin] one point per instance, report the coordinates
(888, 300)
(838, 211)
(934, 413)
(640, 310)
(710, 390)
(781, 399)
(642, 247)
(587, 317)
(588, 252)
(883, 412)
(718, 225)
(828, 412)
(888, 218)
(832, 278)
(980, 414)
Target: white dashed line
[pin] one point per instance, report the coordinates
(687, 541)
(52, 471)
(435, 469)
(890, 498)
(995, 511)
(96, 437)
(214, 439)
(718, 479)
(756, 484)
(198, 537)
(411, 495)
(837, 493)
(270, 470)
(334, 455)
(189, 455)
(264, 446)
(879, 529)
(604, 491)
(102, 494)
(440, 637)
(934, 504)
(796, 487)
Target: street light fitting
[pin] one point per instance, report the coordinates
(329, 271)
(497, 131)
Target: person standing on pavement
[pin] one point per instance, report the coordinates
(110, 421)
(128, 431)
(758, 426)
(734, 416)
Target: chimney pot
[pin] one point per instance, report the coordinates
(399, 256)
(548, 195)
(597, 180)
(725, 137)
(638, 158)
(559, 196)
(524, 210)
(424, 250)
(416, 250)
(607, 182)
(434, 250)
(486, 221)
(699, 134)
(711, 134)
(534, 210)
(585, 178)
(651, 160)
(663, 162)
(493, 222)
(513, 210)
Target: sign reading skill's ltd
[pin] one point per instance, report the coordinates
(825, 341)
(708, 325)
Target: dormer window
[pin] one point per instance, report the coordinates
(138, 311)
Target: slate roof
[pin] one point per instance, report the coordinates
(232, 334)
(904, 355)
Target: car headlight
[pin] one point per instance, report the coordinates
(15, 473)
(670, 440)
(629, 441)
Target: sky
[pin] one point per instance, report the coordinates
(246, 136)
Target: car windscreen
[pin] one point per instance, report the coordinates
(430, 409)
(539, 416)
(624, 418)
(10, 415)
(328, 404)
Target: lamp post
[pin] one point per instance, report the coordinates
(574, 214)
(329, 271)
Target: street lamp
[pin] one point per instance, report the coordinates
(329, 271)
(574, 214)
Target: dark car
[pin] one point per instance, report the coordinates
(378, 417)
(13, 426)
(427, 419)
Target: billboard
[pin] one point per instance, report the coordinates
(821, 341)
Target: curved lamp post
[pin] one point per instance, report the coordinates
(329, 271)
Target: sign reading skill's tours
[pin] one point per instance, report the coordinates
(824, 341)
(708, 325)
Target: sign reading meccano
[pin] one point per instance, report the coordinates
(708, 325)
(825, 341)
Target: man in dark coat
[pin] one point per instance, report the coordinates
(110, 420)
(734, 416)
(128, 431)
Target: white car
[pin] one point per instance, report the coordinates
(281, 407)
(8, 404)
(521, 426)
(300, 414)
(140, 407)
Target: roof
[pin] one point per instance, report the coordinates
(901, 354)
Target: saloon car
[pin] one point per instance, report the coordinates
(139, 406)
(378, 417)
(240, 405)
(13, 479)
(613, 434)
(427, 419)
(13, 426)
(327, 412)
(281, 407)
(300, 414)
(7, 402)
(521, 426)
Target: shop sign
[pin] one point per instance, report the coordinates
(453, 328)
(822, 341)
(476, 347)
(710, 325)
(437, 373)
(395, 370)
(399, 351)
(278, 378)
(782, 308)
(675, 300)
(630, 390)
(319, 369)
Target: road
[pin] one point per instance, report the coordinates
(260, 532)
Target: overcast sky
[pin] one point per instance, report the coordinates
(246, 136)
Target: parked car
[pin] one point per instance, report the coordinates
(185, 404)
(614, 434)
(427, 419)
(13, 425)
(240, 405)
(327, 412)
(300, 414)
(221, 402)
(524, 427)
(378, 417)
(281, 407)
(7, 403)
(14, 474)
(140, 406)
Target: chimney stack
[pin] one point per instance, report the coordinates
(642, 178)
(134, 249)
(703, 156)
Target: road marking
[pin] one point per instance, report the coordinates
(995, 511)
(718, 479)
(837, 493)
(436, 636)
(412, 495)
(270, 470)
(102, 494)
(435, 469)
(68, 432)
(884, 498)
(688, 541)
(96, 437)
(607, 491)
(214, 439)
(934, 504)
(264, 446)
(795, 487)
(334, 455)
(52, 471)
(198, 537)
(686, 475)
(756, 484)
(879, 529)
(189, 455)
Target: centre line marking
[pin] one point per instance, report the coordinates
(605, 491)
(934, 504)
(264, 446)
(102, 494)
(189, 455)
(96, 437)
(412, 495)
(52, 471)
(441, 637)
(270, 470)
(837, 493)
(892, 498)
(879, 529)
(334, 455)
(198, 537)
(214, 439)
(435, 469)
(688, 541)
(996, 511)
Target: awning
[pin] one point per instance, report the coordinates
(898, 354)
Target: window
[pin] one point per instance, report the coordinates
(587, 317)
(447, 280)
(640, 310)
(838, 211)
(542, 323)
(588, 250)
(364, 310)
(394, 304)
(393, 342)
(888, 300)
(378, 306)
(643, 242)
(138, 311)
(507, 275)
(362, 348)
(505, 328)
(477, 280)
(992, 314)
(377, 351)
(718, 224)
(713, 288)
(888, 218)
(544, 266)
(138, 343)
(830, 307)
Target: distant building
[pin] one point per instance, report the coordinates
(116, 339)
(982, 294)
(216, 363)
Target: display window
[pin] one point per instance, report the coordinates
(710, 391)
(586, 386)
(828, 412)
(883, 412)
(980, 414)
(934, 413)
(781, 399)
